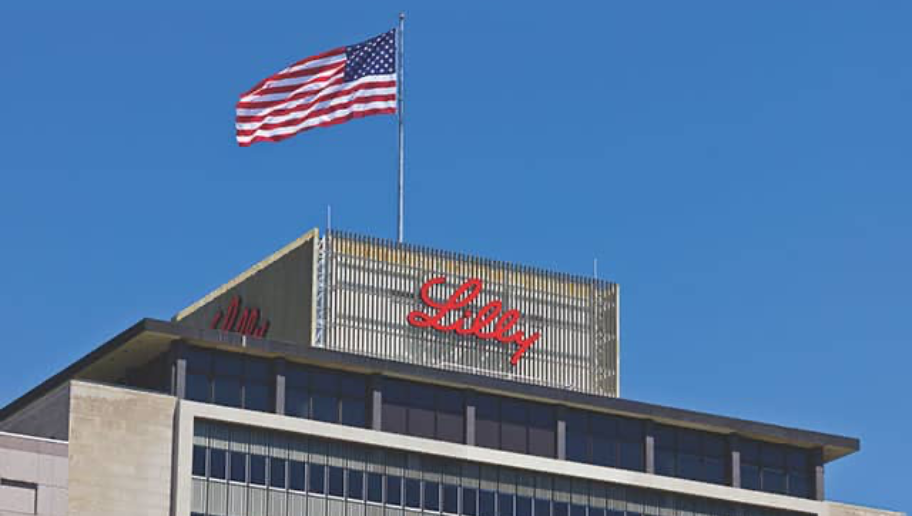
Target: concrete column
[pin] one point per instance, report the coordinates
(470, 418)
(561, 433)
(178, 369)
(278, 367)
(817, 471)
(376, 402)
(649, 445)
(734, 461)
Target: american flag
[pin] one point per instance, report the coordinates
(325, 89)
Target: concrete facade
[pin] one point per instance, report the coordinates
(120, 451)
(33, 476)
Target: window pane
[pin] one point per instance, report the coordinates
(324, 382)
(217, 464)
(228, 364)
(665, 462)
(421, 421)
(431, 496)
(394, 490)
(375, 487)
(772, 455)
(604, 452)
(714, 446)
(798, 484)
(353, 412)
(504, 504)
(750, 476)
(486, 503)
(631, 455)
(542, 428)
(542, 507)
(296, 475)
(576, 446)
(199, 461)
(277, 473)
(258, 470)
(513, 426)
(577, 510)
(523, 506)
(714, 470)
(603, 426)
(356, 484)
(559, 509)
(394, 418)
(450, 499)
(469, 501)
(336, 481)
(317, 478)
(198, 360)
(630, 430)
(413, 493)
(325, 408)
(797, 459)
(256, 397)
(227, 391)
(689, 442)
(750, 451)
(353, 386)
(197, 387)
(596, 511)
(450, 427)
(773, 480)
(257, 369)
(297, 402)
(690, 466)
(297, 377)
(487, 422)
(238, 467)
(664, 437)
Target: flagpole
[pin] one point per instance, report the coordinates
(400, 71)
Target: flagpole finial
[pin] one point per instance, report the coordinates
(401, 15)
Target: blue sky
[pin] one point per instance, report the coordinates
(742, 169)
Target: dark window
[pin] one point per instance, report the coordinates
(394, 490)
(523, 506)
(227, 391)
(316, 478)
(559, 509)
(356, 484)
(798, 484)
(256, 397)
(421, 411)
(354, 412)
(487, 422)
(431, 496)
(750, 476)
(336, 481)
(199, 461)
(577, 435)
(513, 423)
(198, 360)
(469, 501)
(773, 480)
(197, 387)
(325, 408)
(542, 426)
(450, 499)
(217, 464)
(631, 456)
(504, 504)
(297, 402)
(413, 493)
(597, 511)
(258, 470)
(277, 473)
(296, 475)
(486, 503)
(450, 416)
(238, 467)
(375, 487)
(542, 507)
(577, 510)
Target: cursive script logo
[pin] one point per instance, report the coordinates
(245, 323)
(490, 314)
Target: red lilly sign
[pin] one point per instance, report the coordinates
(240, 321)
(473, 324)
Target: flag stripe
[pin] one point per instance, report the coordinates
(326, 89)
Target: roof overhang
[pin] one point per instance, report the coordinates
(150, 337)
